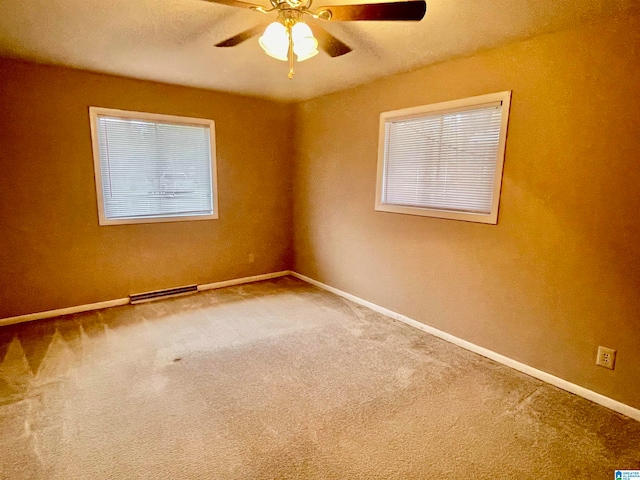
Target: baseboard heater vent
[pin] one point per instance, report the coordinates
(158, 294)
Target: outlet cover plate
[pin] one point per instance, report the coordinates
(606, 357)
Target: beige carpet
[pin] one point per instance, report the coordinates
(279, 380)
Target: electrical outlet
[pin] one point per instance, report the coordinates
(606, 357)
(252, 258)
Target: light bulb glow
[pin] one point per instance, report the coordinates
(275, 41)
(305, 45)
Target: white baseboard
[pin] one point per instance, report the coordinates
(63, 311)
(239, 281)
(521, 367)
(124, 301)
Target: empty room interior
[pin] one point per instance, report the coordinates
(343, 240)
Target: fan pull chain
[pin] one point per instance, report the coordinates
(290, 51)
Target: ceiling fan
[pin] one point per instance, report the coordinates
(290, 34)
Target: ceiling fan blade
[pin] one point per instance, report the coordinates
(236, 3)
(242, 36)
(412, 10)
(328, 42)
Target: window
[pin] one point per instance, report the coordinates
(153, 168)
(444, 160)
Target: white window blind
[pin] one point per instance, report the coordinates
(444, 160)
(152, 169)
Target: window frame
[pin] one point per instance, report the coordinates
(95, 112)
(463, 104)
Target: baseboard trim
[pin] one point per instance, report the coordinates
(595, 397)
(240, 281)
(125, 301)
(63, 311)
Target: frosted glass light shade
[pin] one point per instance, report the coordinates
(275, 41)
(305, 45)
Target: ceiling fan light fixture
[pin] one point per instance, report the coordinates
(305, 44)
(291, 37)
(275, 41)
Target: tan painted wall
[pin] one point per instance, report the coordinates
(53, 254)
(560, 273)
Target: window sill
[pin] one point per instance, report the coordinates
(491, 219)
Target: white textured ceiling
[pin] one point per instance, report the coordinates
(172, 41)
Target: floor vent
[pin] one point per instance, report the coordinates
(158, 294)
